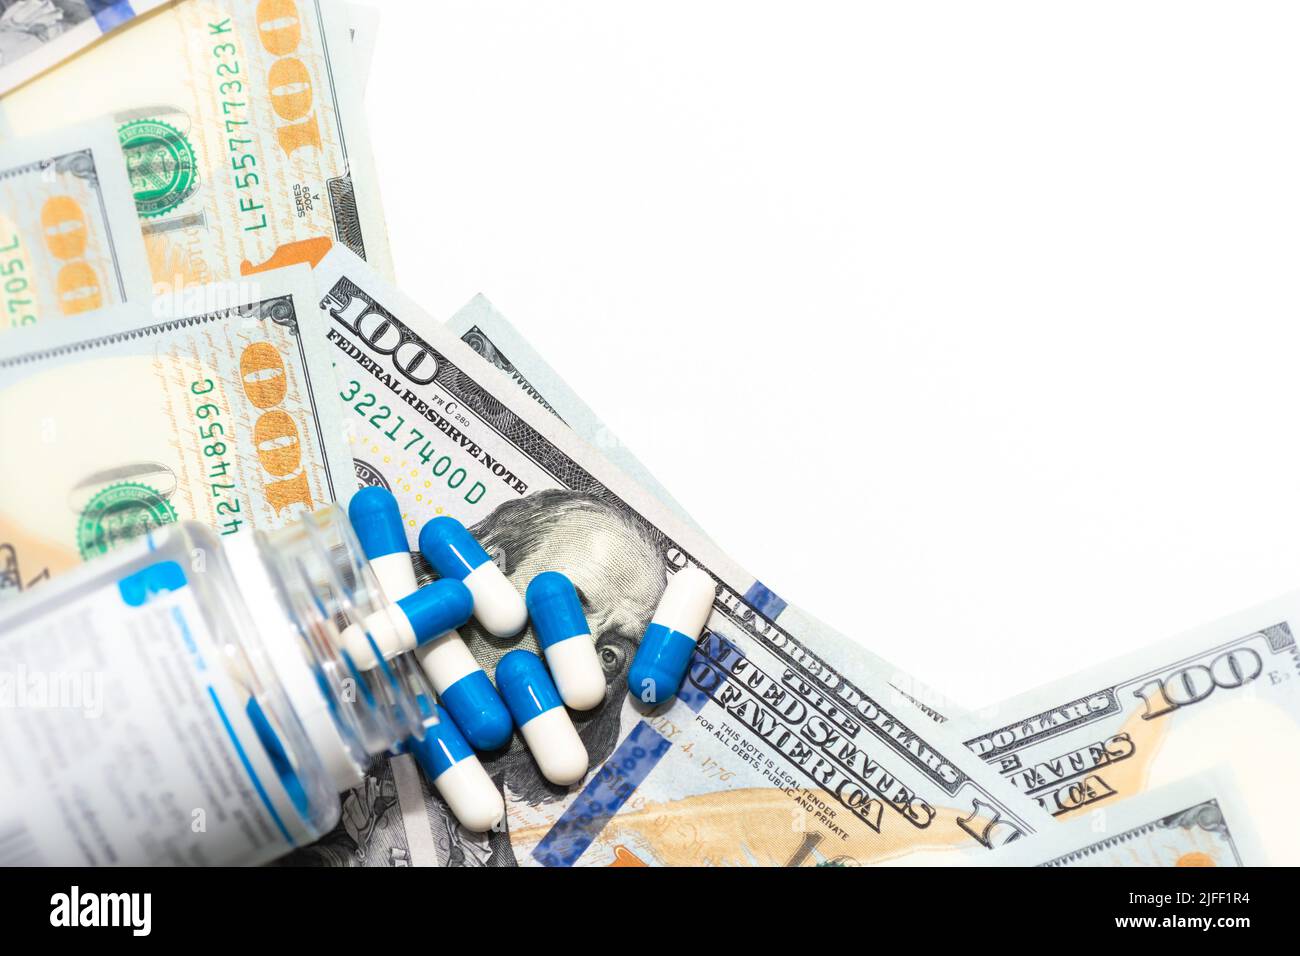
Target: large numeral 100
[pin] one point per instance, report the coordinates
(275, 433)
(288, 82)
(1233, 668)
(63, 223)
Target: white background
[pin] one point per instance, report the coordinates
(970, 327)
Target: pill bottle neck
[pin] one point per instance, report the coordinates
(304, 585)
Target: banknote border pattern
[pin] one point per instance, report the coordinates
(479, 341)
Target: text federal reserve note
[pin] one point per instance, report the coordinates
(778, 751)
(37, 34)
(241, 125)
(1227, 694)
(484, 329)
(1197, 822)
(225, 412)
(68, 237)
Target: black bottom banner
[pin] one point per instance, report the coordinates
(338, 906)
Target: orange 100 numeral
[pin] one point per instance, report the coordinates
(280, 29)
(275, 433)
(63, 224)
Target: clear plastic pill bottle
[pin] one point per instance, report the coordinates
(183, 699)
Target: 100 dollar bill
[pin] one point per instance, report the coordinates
(223, 412)
(241, 126)
(69, 243)
(485, 330)
(1200, 821)
(778, 751)
(1226, 694)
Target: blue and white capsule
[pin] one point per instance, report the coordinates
(448, 761)
(451, 549)
(538, 710)
(376, 517)
(465, 690)
(659, 666)
(405, 624)
(565, 636)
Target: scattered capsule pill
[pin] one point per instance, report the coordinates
(451, 549)
(536, 706)
(377, 519)
(402, 626)
(566, 640)
(465, 690)
(446, 759)
(659, 666)
(463, 686)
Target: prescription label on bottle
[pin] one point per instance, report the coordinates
(123, 739)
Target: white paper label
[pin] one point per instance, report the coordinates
(123, 740)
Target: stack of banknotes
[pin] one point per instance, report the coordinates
(181, 181)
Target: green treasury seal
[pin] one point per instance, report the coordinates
(117, 514)
(161, 164)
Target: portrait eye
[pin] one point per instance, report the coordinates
(611, 658)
